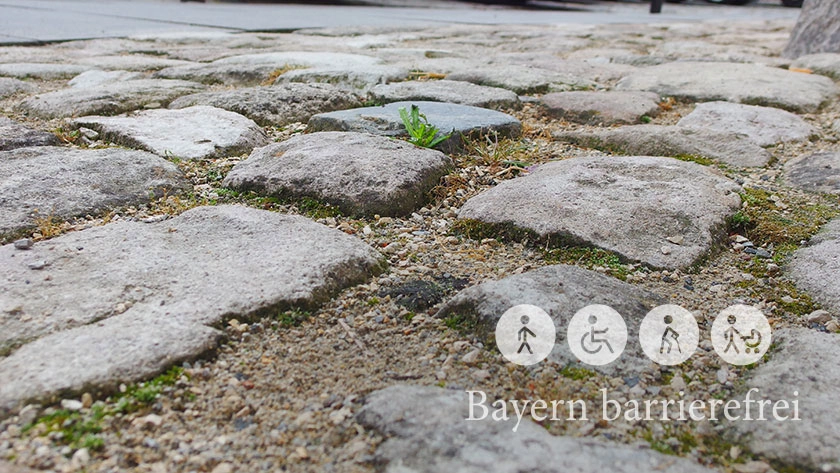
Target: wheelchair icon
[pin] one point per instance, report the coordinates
(590, 338)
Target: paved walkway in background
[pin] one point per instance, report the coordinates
(24, 21)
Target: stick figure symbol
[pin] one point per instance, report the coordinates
(523, 335)
(669, 337)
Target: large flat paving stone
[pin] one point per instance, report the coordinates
(743, 83)
(460, 120)
(122, 302)
(451, 91)
(627, 204)
(131, 62)
(816, 30)
(815, 267)
(602, 108)
(355, 78)
(360, 173)
(766, 126)
(425, 431)
(10, 86)
(251, 69)
(817, 172)
(97, 77)
(522, 79)
(17, 135)
(806, 362)
(45, 181)
(198, 132)
(658, 140)
(560, 290)
(42, 71)
(275, 105)
(108, 99)
(826, 64)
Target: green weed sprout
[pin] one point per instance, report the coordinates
(420, 131)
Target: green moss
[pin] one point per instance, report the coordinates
(576, 373)
(460, 323)
(292, 318)
(694, 158)
(764, 222)
(315, 209)
(588, 258)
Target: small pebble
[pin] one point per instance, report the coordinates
(23, 244)
(71, 404)
(37, 265)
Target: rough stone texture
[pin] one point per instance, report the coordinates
(425, 431)
(385, 120)
(817, 29)
(12, 468)
(94, 78)
(17, 135)
(561, 291)
(826, 64)
(10, 86)
(816, 266)
(522, 79)
(198, 132)
(275, 105)
(157, 288)
(626, 204)
(251, 69)
(42, 71)
(602, 108)
(656, 140)
(819, 172)
(765, 126)
(745, 83)
(805, 361)
(133, 62)
(356, 78)
(66, 182)
(359, 173)
(107, 99)
(451, 91)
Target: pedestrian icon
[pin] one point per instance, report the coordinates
(741, 334)
(525, 334)
(593, 338)
(669, 334)
(597, 335)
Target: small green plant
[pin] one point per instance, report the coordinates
(645, 119)
(420, 131)
(576, 373)
(292, 318)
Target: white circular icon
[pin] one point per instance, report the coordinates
(669, 334)
(741, 334)
(597, 334)
(525, 334)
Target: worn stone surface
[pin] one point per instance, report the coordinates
(818, 172)
(744, 83)
(66, 182)
(626, 204)
(815, 267)
(133, 62)
(561, 291)
(826, 64)
(189, 133)
(602, 108)
(657, 140)
(354, 78)
(805, 362)
(251, 69)
(817, 29)
(522, 79)
(154, 290)
(17, 135)
(425, 431)
(98, 77)
(465, 93)
(358, 172)
(42, 71)
(10, 86)
(275, 105)
(765, 126)
(448, 118)
(108, 99)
